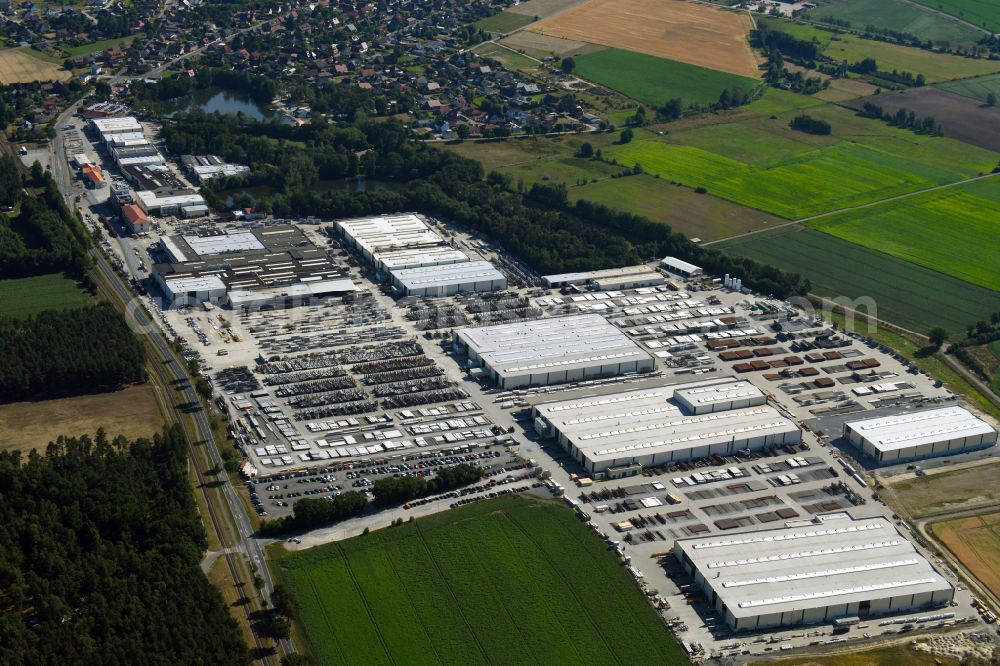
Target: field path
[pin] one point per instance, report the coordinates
(828, 213)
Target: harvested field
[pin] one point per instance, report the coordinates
(948, 491)
(682, 31)
(132, 412)
(539, 46)
(19, 66)
(909, 295)
(843, 89)
(975, 541)
(962, 118)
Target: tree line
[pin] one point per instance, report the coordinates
(310, 512)
(67, 352)
(99, 557)
(537, 224)
(903, 119)
(810, 125)
(395, 490)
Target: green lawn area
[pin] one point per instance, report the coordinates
(568, 170)
(980, 12)
(775, 101)
(655, 80)
(510, 59)
(906, 294)
(934, 66)
(94, 47)
(898, 15)
(510, 580)
(953, 230)
(976, 88)
(504, 22)
(21, 297)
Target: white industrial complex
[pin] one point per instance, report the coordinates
(416, 259)
(629, 277)
(923, 434)
(614, 434)
(813, 573)
(449, 279)
(552, 351)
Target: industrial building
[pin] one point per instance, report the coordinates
(184, 202)
(680, 267)
(923, 434)
(617, 433)
(552, 351)
(448, 279)
(629, 277)
(108, 127)
(269, 267)
(375, 236)
(206, 167)
(135, 219)
(815, 573)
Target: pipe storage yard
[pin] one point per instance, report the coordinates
(922, 434)
(542, 352)
(814, 573)
(616, 433)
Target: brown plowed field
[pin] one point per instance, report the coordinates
(976, 542)
(682, 31)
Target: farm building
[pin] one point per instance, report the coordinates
(679, 267)
(629, 277)
(812, 574)
(552, 351)
(448, 279)
(923, 434)
(618, 433)
(135, 219)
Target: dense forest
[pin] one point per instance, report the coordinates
(40, 235)
(67, 352)
(99, 558)
(538, 224)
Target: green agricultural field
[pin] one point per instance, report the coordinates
(94, 47)
(510, 580)
(934, 66)
(21, 297)
(897, 15)
(568, 170)
(981, 12)
(504, 22)
(775, 101)
(976, 88)
(655, 80)
(809, 183)
(953, 230)
(908, 295)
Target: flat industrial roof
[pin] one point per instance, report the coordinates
(551, 345)
(645, 421)
(402, 259)
(116, 125)
(891, 433)
(440, 275)
(605, 274)
(152, 199)
(234, 241)
(836, 562)
(198, 283)
(715, 394)
(391, 231)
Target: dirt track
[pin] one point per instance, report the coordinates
(682, 31)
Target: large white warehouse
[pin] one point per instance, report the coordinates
(552, 351)
(923, 434)
(617, 433)
(449, 279)
(812, 574)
